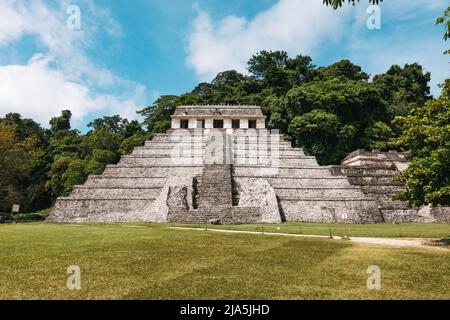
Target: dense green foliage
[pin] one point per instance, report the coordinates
(427, 134)
(37, 165)
(445, 20)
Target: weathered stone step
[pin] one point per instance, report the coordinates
(260, 171)
(267, 156)
(206, 136)
(125, 182)
(383, 189)
(361, 210)
(233, 215)
(159, 161)
(246, 132)
(347, 202)
(168, 151)
(426, 214)
(367, 163)
(199, 150)
(282, 161)
(114, 193)
(322, 193)
(237, 146)
(216, 188)
(211, 137)
(363, 171)
(153, 171)
(372, 173)
(374, 180)
(104, 210)
(299, 182)
(198, 160)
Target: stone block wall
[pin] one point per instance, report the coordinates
(374, 172)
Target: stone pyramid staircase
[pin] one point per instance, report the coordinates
(216, 189)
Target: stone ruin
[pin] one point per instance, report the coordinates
(220, 165)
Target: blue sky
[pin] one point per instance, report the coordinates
(127, 53)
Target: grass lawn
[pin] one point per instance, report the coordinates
(139, 261)
(386, 230)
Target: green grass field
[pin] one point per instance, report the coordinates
(140, 261)
(385, 230)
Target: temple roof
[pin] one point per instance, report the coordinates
(218, 110)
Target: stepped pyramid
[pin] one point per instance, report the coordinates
(374, 172)
(219, 164)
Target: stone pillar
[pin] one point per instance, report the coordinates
(227, 123)
(209, 124)
(260, 124)
(175, 123)
(192, 123)
(244, 124)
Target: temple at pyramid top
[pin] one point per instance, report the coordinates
(219, 117)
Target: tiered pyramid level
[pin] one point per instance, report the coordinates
(374, 172)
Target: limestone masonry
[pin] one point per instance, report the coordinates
(219, 164)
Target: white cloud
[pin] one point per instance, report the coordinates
(290, 25)
(40, 92)
(63, 76)
(11, 24)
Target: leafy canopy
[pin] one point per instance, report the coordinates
(427, 135)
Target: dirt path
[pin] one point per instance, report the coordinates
(380, 241)
(390, 241)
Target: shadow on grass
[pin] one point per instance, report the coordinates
(246, 270)
(445, 242)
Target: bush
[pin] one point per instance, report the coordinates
(37, 216)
